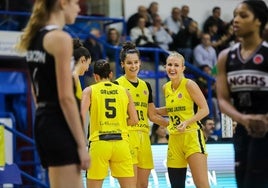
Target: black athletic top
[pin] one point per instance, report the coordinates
(248, 79)
(42, 68)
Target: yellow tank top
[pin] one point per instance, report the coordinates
(79, 91)
(180, 107)
(108, 110)
(140, 96)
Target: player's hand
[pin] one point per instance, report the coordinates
(84, 158)
(182, 126)
(257, 126)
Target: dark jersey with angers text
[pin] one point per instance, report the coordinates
(248, 79)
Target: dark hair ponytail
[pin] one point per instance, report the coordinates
(260, 11)
(79, 50)
(102, 68)
(128, 47)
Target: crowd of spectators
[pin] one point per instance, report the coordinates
(199, 43)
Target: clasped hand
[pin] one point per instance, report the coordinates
(182, 126)
(257, 125)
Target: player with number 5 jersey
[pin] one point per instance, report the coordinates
(111, 110)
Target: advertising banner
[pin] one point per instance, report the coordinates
(8, 40)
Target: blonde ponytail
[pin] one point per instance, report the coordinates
(38, 19)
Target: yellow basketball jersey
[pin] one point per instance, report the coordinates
(140, 96)
(180, 106)
(79, 91)
(108, 111)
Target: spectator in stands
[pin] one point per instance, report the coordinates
(114, 39)
(228, 39)
(215, 17)
(219, 42)
(173, 22)
(133, 19)
(208, 128)
(160, 35)
(96, 52)
(212, 30)
(152, 11)
(186, 40)
(204, 53)
(185, 15)
(203, 84)
(159, 134)
(142, 37)
(92, 44)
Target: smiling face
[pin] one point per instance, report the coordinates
(175, 66)
(131, 65)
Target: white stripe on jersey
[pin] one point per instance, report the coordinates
(248, 80)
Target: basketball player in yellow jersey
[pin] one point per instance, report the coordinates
(82, 60)
(111, 110)
(141, 93)
(186, 143)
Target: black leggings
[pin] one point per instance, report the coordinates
(251, 157)
(177, 177)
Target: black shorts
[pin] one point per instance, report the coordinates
(54, 141)
(252, 155)
(241, 143)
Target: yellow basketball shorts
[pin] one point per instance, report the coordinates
(181, 146)
(114, 154)
(141, 151)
